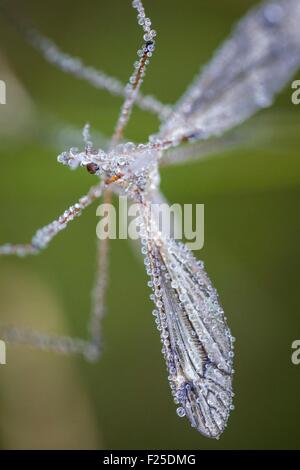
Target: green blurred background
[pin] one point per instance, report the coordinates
(251, 250)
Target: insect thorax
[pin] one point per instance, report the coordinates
(131, 168)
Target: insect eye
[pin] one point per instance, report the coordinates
(92, 168)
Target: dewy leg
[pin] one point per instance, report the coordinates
(99, 290)
(90, 348)
(57, 343)
(44, 341)
(74, 66)
(140, 66)
(43, 236)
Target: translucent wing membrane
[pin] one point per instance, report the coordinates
(260, 132)
(197, 343)
(202, 149)
(250, 68)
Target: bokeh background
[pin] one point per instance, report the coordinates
(251, 251)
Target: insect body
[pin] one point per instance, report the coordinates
(197, 343)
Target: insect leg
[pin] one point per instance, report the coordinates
(75, 67)
(43, 236)
(140, 66)
(68, 345)
(99, 289)
(44, 341)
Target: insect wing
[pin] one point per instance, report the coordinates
(253, 65)
(197, 343)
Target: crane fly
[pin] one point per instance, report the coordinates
(255, 63)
